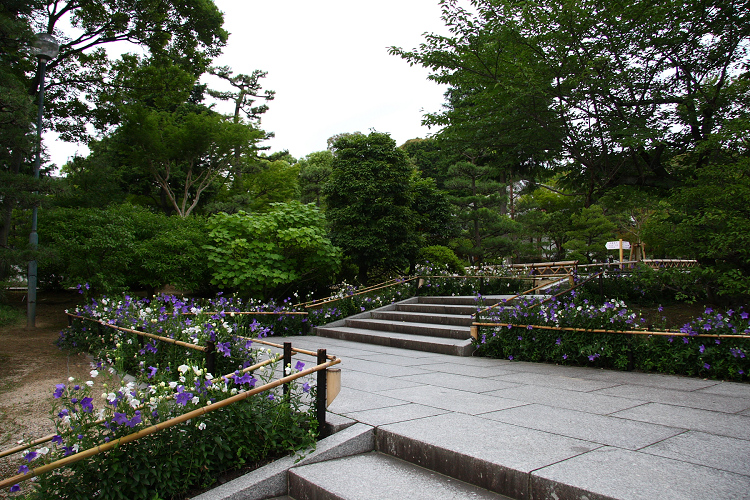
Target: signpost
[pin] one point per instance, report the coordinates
(622, 245)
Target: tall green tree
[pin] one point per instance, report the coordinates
(369, 204)
(609, 91)
(314, 170)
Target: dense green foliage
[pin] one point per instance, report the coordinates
(273, 253)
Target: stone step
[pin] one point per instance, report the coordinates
(425, 317)
(440, 345)
(377, 476)
(465, 300)
(437, 308)
(426, 329)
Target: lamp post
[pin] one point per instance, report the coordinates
(46, 48)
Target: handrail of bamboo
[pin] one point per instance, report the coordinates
(523, 293)
(162, 425)
(317, 304)
(294, 349)
(137, 332)
(48, 438)
(566, 291)
(629, 332)
(366, 289)
(254, 313)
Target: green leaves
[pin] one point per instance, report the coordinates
(260, 254)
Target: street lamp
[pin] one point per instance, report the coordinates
(46, 48)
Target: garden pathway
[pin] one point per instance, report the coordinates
(526, 430)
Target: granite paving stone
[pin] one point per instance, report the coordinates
(601, 429)
(394, 414)
(350, 400)
(362, 365)
(631, 475)
(460, 382)
(372, 383)
(719, 452)
(645, 379)
(549, 380)
(469, 370)
(723, 424)
(465, 445)
(591, 402)
(451, 399)
(731, 389)
(700, 400)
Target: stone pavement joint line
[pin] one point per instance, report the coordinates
(429, 425)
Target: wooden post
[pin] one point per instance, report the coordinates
(210, 357)
(320, 403)
(475, 332)
(287, 363)
(621, 256)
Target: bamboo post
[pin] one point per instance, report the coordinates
(621, 255)
(287, 362)
(320, 404)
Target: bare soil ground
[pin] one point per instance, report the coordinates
(30, 366)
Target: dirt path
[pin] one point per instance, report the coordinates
(30, 366)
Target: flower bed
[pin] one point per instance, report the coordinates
(564, 331)
(171, 381)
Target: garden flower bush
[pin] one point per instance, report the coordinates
(490, 280)
(534, 331)
(169, 381)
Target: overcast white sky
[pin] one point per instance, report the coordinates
(328, 62)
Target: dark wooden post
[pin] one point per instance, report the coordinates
(210, 357)
(287, 362)
(320, 403)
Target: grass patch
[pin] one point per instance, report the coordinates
(11, 316)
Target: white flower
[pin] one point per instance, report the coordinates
(90, 383)
(75, 448)
(111, 396)
(201, 426)
(134, 403)
(43, 450)
(172, 384)
(183, 368)
(287, 371)
(94, 373)
(198, 372)
(209, 376)
(195, 400)
(182, 379)
(70, 379)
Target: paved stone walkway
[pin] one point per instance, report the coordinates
(554, 431)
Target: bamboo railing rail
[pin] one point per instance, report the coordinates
(162, 425)
(251, 313)
(522, 294)
(566, 291)
(628, 332)
(294, 349)
(144, 334)
(393, 281)
(400, 282)
(48, 438)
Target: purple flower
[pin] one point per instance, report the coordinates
(63, 413)
(529, 327)
(685, 340)
(30, 456)
(706, 366)
(57, 440)
(306, 387)
(520, 338)
(701, 349)
(708, 310)
(135, 420)
(120, 418)
(299, 366)
(152, 371)
(270, 397)
(744, 315)
(510, 357)
(565, 356)
(182, 398)
(86, 405)
(59, 389)
(15, 488)
(558, 341)
(23, 469)
(224, 348)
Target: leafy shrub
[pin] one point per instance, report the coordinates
(441, 257)
(261, 255)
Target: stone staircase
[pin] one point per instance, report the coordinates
(364, 463)
(431, 324)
